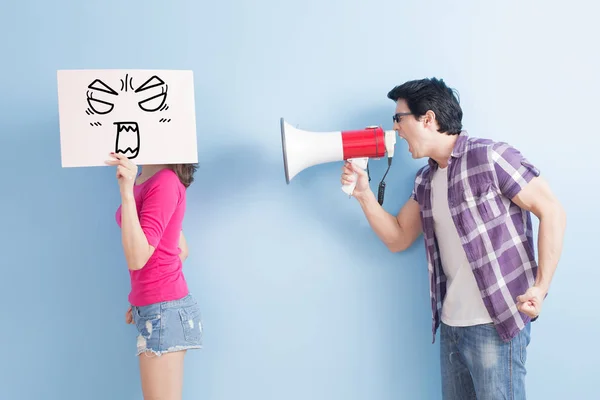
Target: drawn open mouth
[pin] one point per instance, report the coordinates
(128, 139)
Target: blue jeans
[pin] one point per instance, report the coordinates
(477, 364)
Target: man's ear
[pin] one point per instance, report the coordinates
(429, 118)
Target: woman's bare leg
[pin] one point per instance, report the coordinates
(162, 377)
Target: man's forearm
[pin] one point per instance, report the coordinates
(550, 243)
(385, 225)
(135, 244)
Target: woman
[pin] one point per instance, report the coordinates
(167, 317)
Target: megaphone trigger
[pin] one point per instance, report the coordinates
(361, 162)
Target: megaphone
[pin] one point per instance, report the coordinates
(303, 149)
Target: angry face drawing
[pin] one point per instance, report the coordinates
(103, 99)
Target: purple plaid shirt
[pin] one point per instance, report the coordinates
(495, 233)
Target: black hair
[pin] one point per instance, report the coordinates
(431, 94)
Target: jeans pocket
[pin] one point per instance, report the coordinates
(146, 324)
(191, 322)
(523, 343)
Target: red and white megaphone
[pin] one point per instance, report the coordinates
(303, 149)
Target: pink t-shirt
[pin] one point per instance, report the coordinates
(161, 205)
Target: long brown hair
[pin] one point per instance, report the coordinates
(185, 172)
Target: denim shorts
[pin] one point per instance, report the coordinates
(168, 326)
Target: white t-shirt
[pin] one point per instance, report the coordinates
(463, 305)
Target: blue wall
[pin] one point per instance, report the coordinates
(300, 300)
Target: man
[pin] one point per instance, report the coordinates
(472, 202)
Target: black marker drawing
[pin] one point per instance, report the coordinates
(101, 100)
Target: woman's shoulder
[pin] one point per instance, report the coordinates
(167, 175)
(165, 179)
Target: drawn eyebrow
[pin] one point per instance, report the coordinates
(103, 87)
(154, 81)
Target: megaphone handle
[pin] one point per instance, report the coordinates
(362, 163)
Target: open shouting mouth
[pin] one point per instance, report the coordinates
(128, 139)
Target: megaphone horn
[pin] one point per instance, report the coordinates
(303, 149)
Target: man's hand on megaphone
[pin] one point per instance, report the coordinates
(362, 179)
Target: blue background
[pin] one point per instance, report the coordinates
(299, 298)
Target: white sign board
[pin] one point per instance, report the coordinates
(148, 115)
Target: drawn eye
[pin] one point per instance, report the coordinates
(99, 106)
(153, 82)
(153, 103)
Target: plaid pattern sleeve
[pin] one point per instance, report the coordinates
(513, 171)
(418, 184)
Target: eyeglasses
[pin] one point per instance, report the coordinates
(396, 117)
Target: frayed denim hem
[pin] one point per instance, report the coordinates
(150, 353)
